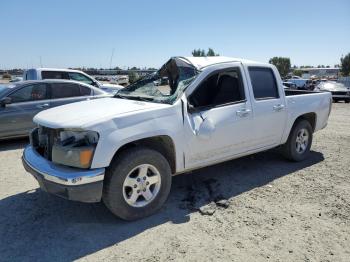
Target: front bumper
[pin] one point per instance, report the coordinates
(84, 185)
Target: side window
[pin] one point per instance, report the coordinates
(80, 77)
(218, 89)
(62, 90)
(85, 91)
(54, 75)
(263, 82)
(29, 93)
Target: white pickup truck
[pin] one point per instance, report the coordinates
(68, 74)
(124, 150)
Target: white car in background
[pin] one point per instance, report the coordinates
(339, 91)
(120, 80)
(68, 74)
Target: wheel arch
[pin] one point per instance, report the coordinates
(164, 144)
(311, 117)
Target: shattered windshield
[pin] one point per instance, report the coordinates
(163, 86)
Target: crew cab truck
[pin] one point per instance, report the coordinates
(124, 150)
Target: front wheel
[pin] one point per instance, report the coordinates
(137, 183)
(299, 141)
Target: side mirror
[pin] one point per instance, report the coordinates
(5, 101)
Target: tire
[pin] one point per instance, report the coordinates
(125, 169)
(290, 149)
(335, 100)
(347, 101)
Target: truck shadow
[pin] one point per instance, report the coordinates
(13, 144)
(40, 227)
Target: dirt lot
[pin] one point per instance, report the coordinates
(278, 211)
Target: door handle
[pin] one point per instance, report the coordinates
(278, 107)
(43, 106)
(243, 112)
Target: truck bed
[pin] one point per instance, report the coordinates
(294, 92)
(300, 102)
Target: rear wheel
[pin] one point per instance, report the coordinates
(137, 183)
(299, 141)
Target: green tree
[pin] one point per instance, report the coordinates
(282, 63)
(211, 52)
(197, 52)
(201, 52)
(345, 65)
(297, 72)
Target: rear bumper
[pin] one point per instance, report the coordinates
(338, 95)
(341, 96)
(83, 185)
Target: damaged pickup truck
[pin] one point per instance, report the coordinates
(193, 112)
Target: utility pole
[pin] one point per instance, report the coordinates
(110, 61)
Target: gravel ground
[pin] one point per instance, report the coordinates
(275, 211)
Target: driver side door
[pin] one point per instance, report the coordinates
(219, 123)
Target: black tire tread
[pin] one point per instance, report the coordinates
(287, 150)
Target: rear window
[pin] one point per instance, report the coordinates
(263, 83)
(62, 90)
(54, 75)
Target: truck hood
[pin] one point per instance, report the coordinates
(86, 113)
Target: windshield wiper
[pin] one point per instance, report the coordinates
(117, 95)
(140, 98)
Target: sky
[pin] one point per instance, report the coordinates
(84, 33)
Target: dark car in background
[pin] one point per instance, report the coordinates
(339, 91)
(21, 101)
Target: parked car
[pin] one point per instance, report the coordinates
(339, 91)
(21, 101)
(125, 149)
(68, 74)
(302, 84)
(120, 80)
(289, 85)
(16, 79)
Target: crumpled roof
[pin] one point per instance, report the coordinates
(200, 62)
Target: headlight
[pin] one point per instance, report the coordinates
(75, 148)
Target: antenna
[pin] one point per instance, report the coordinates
(110, 61)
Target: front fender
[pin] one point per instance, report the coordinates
(117, 133)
